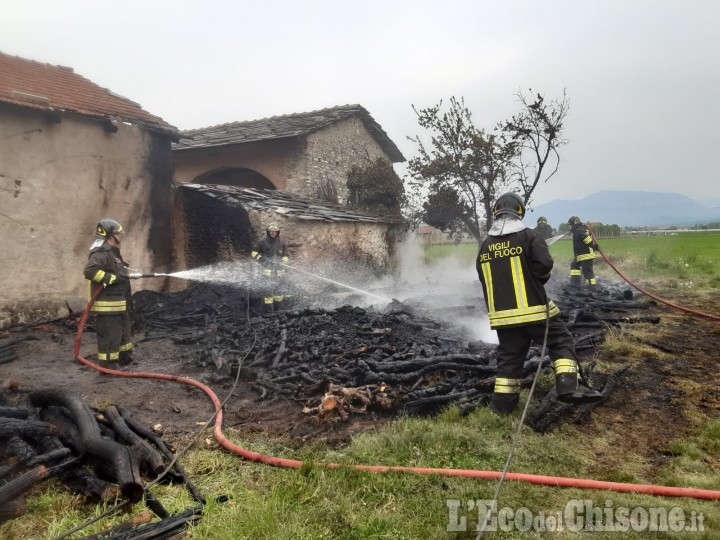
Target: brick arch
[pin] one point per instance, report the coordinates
(236, 176)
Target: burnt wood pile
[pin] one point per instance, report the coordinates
(101, 454)
(338, 362)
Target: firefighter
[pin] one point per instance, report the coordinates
(543, 229)
(271, 253)
(106, 270)
(584, 248)
(513, 265)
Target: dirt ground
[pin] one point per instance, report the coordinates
(648, 408)
(45, 360)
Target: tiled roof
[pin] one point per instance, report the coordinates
(289, 125)
(26, 83)
(282, 202)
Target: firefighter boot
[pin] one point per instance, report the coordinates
(504, 404)
(575, 281)
(125, 358)
(569, 390)
(268, 307)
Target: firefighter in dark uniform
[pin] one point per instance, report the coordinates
(513, 265)
(543, 229)
(106, 270)
(271, 253)
(584, 248)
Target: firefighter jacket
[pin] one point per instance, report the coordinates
(270, 252)
(513, 268)
(583, 244)
(106, 269)
(544, 230)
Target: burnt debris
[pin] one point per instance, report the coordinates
(101, 454)
(386, 359)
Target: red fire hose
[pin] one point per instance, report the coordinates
(664, 491)
(646, 293)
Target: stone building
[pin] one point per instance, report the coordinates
(235, 178)
(305, 153)
(73, 153)
(223, 223)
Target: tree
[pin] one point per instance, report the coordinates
(464, 169)
(376, 188)
(537, 131)
(461, 172)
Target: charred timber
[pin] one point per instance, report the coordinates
(116, 457)
(150, 460)
(160, 444)
(24, 428)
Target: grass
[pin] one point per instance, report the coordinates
(690, 260)
(318, 503)
(314, 502)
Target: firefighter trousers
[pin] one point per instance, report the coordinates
(512, 352)
(113, 336)
(584, 269)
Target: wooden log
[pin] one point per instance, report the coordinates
(165, 528)
(24, 428)
(149, 458)
(16, 487)
(126, 526)
(43, 459)
(114, 455)
(160, 444)
(14, 412)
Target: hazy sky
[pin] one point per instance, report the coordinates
(642, 77)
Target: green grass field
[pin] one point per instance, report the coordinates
(684, 257)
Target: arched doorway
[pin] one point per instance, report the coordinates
(240, 177)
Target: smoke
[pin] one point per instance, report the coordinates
(446, 289)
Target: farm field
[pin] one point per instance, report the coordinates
(682, 258)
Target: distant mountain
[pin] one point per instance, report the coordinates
(629, 208)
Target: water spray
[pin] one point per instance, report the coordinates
(554, 239)
(337, 283)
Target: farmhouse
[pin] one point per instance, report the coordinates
(236, 178)
(74, 152)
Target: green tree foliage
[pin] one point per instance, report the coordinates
(376, 188)
(606, 231)
(457, 176)
(461, 171)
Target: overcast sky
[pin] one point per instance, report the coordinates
(642, 76)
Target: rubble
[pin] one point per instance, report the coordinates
(332, 361)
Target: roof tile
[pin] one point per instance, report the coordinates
(289, 125)
(31, 84)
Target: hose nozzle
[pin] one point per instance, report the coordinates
(138, 275)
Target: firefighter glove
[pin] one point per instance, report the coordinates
(108, 279)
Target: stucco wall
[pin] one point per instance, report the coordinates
(276, 160)
(333, 150)
(57, 180)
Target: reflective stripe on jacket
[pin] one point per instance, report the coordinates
(583, 243)
(270, 252)
(512, 269)
(104, 266)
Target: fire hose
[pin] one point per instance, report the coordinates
(646, 293)
(553, 481)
